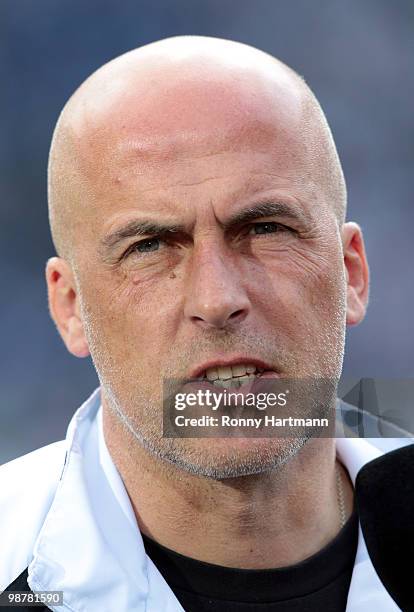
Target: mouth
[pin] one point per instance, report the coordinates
(234, 374)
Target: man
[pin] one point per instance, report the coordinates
(197, 206)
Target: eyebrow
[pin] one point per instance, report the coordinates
(265, 209)
(136, 228)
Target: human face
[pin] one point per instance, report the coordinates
(212, 240)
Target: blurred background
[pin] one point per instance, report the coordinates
(358, 57)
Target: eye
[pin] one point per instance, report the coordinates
(149, 245)
(266, 227)
(144, 246)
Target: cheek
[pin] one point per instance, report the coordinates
(303, 289)
(130, 319)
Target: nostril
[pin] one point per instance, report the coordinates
(236, 314)
(197, 318)
(220, 320)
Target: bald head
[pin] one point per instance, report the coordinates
(171, 100)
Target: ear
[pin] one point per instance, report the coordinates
(64, 306)
(357, 273)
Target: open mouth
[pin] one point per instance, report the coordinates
(232, 377)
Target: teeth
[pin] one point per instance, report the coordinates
(227, 372)
(224, 372)
(240, 369)
(245, 379)
(230, 372)
(234, 383)
(212, 374)
(226, 384)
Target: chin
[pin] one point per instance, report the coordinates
(222, 458)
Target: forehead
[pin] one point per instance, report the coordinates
(159, 113)
(137, 137)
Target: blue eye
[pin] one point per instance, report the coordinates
(145, 246)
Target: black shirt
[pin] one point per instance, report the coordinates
(320, 582)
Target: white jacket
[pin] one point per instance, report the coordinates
(72, 524)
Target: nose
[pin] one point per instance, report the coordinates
(215, 294)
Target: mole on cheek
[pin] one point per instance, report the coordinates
(172, 275)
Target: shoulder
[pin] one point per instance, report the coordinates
(391, 475)
(385, 500)
(27, 488)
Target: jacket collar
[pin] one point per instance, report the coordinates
(366, 591)
(90, 546)
(86, 547)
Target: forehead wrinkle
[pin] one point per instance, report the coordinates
(118, 152)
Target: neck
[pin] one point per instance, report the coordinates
(269, 520)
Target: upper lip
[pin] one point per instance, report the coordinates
(229, 361)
